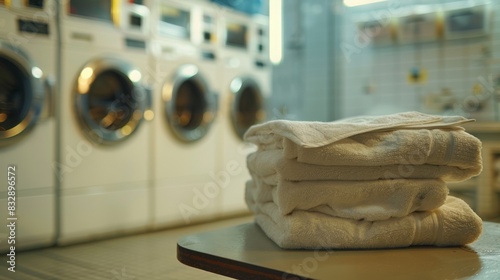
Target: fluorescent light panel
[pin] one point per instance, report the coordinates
(275, 31)
(354, 3)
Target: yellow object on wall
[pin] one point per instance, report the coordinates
(417, 76)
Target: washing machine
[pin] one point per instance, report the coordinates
(186, 186)
(27, 125)
(103, 161)
(245, 77)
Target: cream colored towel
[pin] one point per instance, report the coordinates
(452, 224)
(438, 147)
(318, 134)
(405, 146)
(358, 200)
(271, 166)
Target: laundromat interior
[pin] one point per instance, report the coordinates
(122, 122)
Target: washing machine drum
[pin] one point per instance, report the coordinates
(21, 93)
(189, 104)
(247, 104)
(110, 101)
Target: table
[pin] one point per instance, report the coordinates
(245, 252)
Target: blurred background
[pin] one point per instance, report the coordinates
(127, 116)
(351, 57)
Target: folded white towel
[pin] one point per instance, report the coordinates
(452, 224)
(450, 147)
(358, 200)
(318, 134)
(405, 146)
(271, 166)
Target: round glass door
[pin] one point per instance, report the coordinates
(110, 102)
(247, 104)
(21, 92)
(189, 104)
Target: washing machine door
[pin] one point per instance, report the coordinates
(22, 93)
(247, 104)
(189, 104)
(110, 100)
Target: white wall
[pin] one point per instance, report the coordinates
(374, 78)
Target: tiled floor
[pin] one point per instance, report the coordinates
(146, 256)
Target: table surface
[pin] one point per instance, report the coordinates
(245, 252)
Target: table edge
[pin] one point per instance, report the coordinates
(228, 267)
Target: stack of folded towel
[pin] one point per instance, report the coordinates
(364, 182)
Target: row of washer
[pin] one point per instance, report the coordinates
(124, 116)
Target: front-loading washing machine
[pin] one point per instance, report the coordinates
(185, 184)
(245, 77)
(27, 126)
(103, 160)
